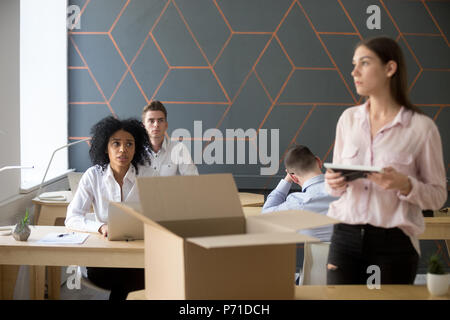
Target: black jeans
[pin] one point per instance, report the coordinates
(356, 247)
(120, 281)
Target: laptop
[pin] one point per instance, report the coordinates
(122, 226)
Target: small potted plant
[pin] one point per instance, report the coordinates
(22, 230)
(437, 278)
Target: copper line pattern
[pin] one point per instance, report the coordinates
(195, 102)
(128, 68)
(415, 79)
(350, 19)
(222, 49)
(275, 101)
(314, 106)
(263, 86)
(191, 33)
(118, 17)
(92, 76)
(89, 32)
(87, 102)
(401, 34)
(84, 7)
(223, 16)
(435, 22)
(327, 52)
(422, 34)
(252, 32)
(284, 51)
(314, 68)
(437, 113)
(357, 33)
(316, 103)
(160, 84)
(149, 34)
(77, 68)
(286, 14)
(328, 152)
(201, 51)
(339, 33)
(253, 68)
(160, 50)
(189, 67)
(243, 84)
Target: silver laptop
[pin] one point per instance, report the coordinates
(122, 226)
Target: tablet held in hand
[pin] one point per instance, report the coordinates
(352, 172)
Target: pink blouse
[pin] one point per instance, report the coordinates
(411, 144)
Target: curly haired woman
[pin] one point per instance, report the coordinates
(118, 153)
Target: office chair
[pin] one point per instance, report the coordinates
(315, 263)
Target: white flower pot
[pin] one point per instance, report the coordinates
(437, 284)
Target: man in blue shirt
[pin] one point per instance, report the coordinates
(304, 169)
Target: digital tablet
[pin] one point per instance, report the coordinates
(352, 172)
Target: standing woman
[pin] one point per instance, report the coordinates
(381, 216)
(118, 152)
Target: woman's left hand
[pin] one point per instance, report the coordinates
(391, 179)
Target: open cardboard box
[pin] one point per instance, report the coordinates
(199, 245)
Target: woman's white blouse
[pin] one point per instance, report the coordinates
(96, 189)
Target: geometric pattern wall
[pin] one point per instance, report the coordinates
(259, 64)
(262, 64)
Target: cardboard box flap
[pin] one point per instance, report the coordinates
(189, 197)
(253, 239)
(132, 209)
(296, 219)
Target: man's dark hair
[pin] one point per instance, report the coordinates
(299, 159)
(105, 128)
(154, 106)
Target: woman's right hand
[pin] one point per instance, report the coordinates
(335, 180)
(104, 230)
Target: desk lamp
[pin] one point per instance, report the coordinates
(54, 196)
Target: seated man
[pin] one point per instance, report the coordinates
(304, 169)
(167, 158)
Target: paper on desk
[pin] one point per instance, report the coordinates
(64, 238)
(52, 196)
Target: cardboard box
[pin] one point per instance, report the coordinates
(199, 245)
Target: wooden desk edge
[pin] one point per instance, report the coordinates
(319, 293)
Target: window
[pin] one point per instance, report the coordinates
(43, 89)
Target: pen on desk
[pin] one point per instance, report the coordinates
(63, 235)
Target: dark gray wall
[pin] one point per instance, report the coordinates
(268, 64)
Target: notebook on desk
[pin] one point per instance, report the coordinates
(122, 226)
